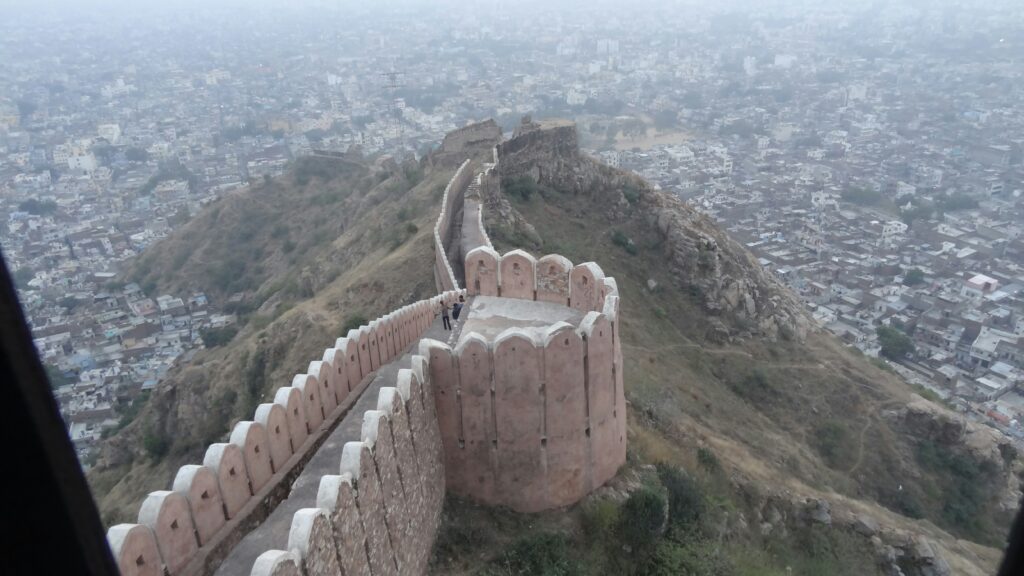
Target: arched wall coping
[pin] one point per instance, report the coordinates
(352, 455)
(330, 488)
(282, 427)
(169, 515)
(199, 485)
(300, 536)
(277, 563)
(469, 339)
(556, 330)
(515, 333)
(372, 421)
(135, 550)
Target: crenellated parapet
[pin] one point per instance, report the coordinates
(210, 505)
(533, 418)
(551, 278)
(380, 513)
(451, 204)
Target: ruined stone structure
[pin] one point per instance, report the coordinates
(346, 471)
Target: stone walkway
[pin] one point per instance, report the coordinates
(272, 534)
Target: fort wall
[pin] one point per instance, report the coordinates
(451, 205)
(533, 419)
(210, 506)
(381, 513)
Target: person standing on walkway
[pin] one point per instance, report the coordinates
(457, 307)
(444, 316)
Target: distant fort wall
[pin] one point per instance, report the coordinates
(535, 418)
(451, 206)
(190, 528)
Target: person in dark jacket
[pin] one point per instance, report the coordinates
(457, 307)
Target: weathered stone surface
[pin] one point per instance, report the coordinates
(312, 537)
(585, 285)
(337, 497)
(476, 440)
(168, 515)
(312, 406)
(351, 361)
(322, 374)
(566, 416)
(251, 437)
(135, 550)
(377, 435)
(553, 279)
(291, 400)
(482, 271)
(517, 277)
(275, 421)
(597, 333)
(198, 484)
(519, 420)
(357, 462)
(228, 464)
(277, 563)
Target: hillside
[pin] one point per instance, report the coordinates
(727, 379)
(298, 258)
(773, 448)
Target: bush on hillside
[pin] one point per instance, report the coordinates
(642, 519)
(539, 554)
(895, 344)
(685, 500)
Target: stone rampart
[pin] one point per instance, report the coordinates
(190, 528)
(451, 204)
(535, 418)
(381, 512)
(531, 418)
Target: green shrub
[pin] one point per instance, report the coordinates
(685, 499)
(353, 322)
(155, 444)
(686, 558)
(620, 239)
(521, 187)
(707, 459)
(539, 554)
(214, 337)
(833, 443)
(895, 344)
(631, 194)
(599, 518)
(642, 519)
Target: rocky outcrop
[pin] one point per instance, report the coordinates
(741, 298)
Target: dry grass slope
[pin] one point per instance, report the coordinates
(296, 258)
(788, 416)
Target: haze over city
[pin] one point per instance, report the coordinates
(861, 161)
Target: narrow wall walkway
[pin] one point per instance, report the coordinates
(272, 534)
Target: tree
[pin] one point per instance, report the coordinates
(862, 196)
(22, 276)
(136, 155)
(38, 207)
(642, 519)
(56, 377)
(895, 344)
(913, 277)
